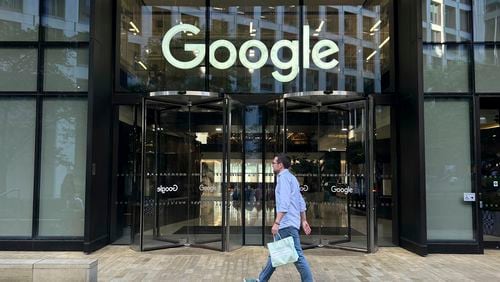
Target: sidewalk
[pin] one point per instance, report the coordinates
(120, 263)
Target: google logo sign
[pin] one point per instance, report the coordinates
(320, 50)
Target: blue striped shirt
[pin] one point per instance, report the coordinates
(288, 199)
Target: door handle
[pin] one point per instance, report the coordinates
(480, 204)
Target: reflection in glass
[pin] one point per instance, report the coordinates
(383, 176)
(448, 175)
(446, 68)
(18, 69)
(19, 20)
(66, 20)
(63, 167)
(231, 26)
(66, 69)
(487, 68)
(446, 21)
(234, 178)
(17, 150)
(486, 20)
(143, 66)
(363, 41)
(490, 168)
(267, 24)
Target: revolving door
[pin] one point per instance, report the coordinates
(182, 189)
(206, 180)
(328, 137)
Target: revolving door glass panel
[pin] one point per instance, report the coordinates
(327, 144)
(234, 176)
(182, 188)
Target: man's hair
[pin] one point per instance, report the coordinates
(284, 159)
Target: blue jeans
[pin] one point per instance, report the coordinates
(301, 264)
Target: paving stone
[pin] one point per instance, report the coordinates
(120, 263)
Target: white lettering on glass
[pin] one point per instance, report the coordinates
(320, 51)
(162, 189)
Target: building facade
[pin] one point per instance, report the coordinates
(153, 123)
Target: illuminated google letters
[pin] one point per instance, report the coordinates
(320, 50)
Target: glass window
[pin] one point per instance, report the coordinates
(451, 17)
(18, 69)
(446, 68)
(143, 64)
(19, 20)
(447, 22)
(487, 68)
(363, 44)
(63, 167)
(252, 48)
(332, 16)
(435, 13)
(448, 163)
(486, 21)
(350, 24)
(17, 150)
(255, 70)
(66, 69)
(464, 21)
(66, 20)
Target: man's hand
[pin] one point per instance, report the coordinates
(306, 227)
(275, 229)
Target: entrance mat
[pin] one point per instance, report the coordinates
(258, 230)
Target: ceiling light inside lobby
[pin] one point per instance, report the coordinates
(320, 25)
(142, 65)
(375, 26)
(133, 27)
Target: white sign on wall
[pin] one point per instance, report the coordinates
(469, 197)
(319, 52)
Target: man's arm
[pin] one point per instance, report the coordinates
(304, 223)
(303, 219)
(276, 224)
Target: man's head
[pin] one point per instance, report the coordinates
(280, 163)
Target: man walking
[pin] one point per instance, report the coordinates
(291, 214)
